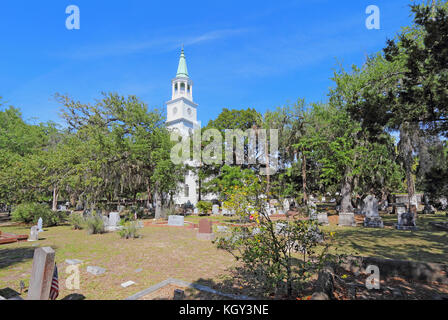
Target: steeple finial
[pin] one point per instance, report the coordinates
(182, 70)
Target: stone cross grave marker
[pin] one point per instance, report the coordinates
(41, 274)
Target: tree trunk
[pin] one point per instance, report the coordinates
(304, 185)
(406, 153)
(158, 199)
(55, 199)
(346, 192)
(148, 200)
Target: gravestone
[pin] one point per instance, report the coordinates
(39, 225)
(176, 221)
(384, 205)
(322, 218)
(105, 221)
(95, 270)
(372, 217)
(41, 274)
(347, 219)
(222, 228)
(205, 231)
(286, 205)
(428, 208)
(73, 261)
(406, 219)
(443, 201)
(196, 211)
(127, 284)
(225, 212)
(312, 207)
(215, 209)
(114, 219)
(34, 234)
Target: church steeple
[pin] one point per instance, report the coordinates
(182, 70)
(182, 84)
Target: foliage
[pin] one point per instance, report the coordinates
(77, 221)
(31, 212)
(95, 225)
(281, 256)
(204, 207)
(129, 230)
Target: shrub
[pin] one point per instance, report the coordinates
(77, 221)
(31, 212)
(95, 225)
(129, 230)
(204, 207)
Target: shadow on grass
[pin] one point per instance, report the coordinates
(426, 244)
(11, 256)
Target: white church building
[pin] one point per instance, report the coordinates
(182, 116)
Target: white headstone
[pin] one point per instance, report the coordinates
(127, 284)
(34, 234)
(215, 209)
(39, 225)
(176, 221)
(114, 219)
(286, 205)
(95, 270)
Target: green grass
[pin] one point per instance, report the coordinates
(426, 244)
(165, 252)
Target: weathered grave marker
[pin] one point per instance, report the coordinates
(95, 270)
(205, 230)
(41, 274)
(176, 221)
(34, 234)
(372, 217)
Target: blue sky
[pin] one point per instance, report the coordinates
(240, 54)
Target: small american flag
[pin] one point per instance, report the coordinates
(54, 291)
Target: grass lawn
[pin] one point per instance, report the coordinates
(176, 253)
(427, 244)
(161, 253)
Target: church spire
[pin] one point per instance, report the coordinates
(182, 70)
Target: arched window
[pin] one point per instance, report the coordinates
(187, 191)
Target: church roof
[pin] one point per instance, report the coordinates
(182, 70)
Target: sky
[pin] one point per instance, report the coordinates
(240, 54)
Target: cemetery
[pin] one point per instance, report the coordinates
(343, 199)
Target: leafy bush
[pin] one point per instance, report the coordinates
(95, 225)
(204, 207)
(31, 212)
(279, 257)
(129, 230)
(77, 221)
